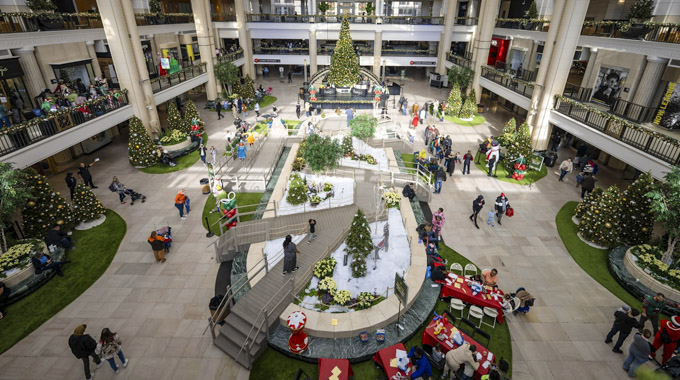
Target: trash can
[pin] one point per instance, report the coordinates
(480, 108)
(205, 186)
(550, 159)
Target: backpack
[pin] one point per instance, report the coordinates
(110, 348)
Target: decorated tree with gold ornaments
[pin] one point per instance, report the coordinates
(174, 118)
(141, 150)
(344, 70)
(585, 207)
(637, 218)
(45, 208)
(469, 107)
(603, 225)
(454, 102)
(86, 206)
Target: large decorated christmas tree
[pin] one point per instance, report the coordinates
(247, 90)
(519, 146)
(192, 123)
(469, 107)
(141, 150)
(603, 225)
(454, 102)
(86, 206)
(45, 208)
(508, 135)
(586, 206)
(637, 218)
(344, 70)
(359, 244)
(174, 118)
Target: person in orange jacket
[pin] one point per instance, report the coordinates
(667, 336)
(180, 199)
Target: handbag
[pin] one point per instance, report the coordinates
(112, 188)
(510, 212)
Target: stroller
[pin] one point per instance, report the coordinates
(166, 232)
(134, 196)
(514, 301)
(671, 368)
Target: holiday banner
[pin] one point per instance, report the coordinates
(668, 113)
(608, 85)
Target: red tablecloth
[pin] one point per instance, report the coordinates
(326, 367)
(430, 339)
(385, 356)
(459, 289)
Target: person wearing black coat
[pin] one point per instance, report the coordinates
(82, 346)
(477, 205)
(57, 237)
(408, 192)
(71, 183)
(42, 262)
(624, 322)
(4, 296)
(451, 160)
(218, 108)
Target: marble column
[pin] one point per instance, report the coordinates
(32, 75)
(557, 69)
(533, 55)
(650, 80)
(312, 52)
(137, 54)
(445, 42)
(93, 55)
(204, 45)
(241, 24)
(377, 53)
(117, 33)
(590, 67)
(487, 22)
(179, 47)
(62, 159)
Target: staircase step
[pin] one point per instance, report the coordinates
(232, 350)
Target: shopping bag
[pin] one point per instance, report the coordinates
(510, 212)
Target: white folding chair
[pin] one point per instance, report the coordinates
(476, 312)
(458, 305)
(471, 268)
(490, 312)
(456, 266)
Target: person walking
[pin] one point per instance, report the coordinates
(71, 183)
(312, 230)
(566, 167)
(218, 108)
(244, 110)
(451, 161)
(438, 220)
(157, 243)
(477, 205)
(119, 188)
(467, 158)
(350, 116)
(251, 139)
(85, 175)
(202, 152)
(624, 322)
(187, 205)
(290, 252)
(667, 336)
(83, 346)
(404, 107)
(490, 218)
(638, 352)
(213, 154)
(422, 114)
(180, 199)
(587, 185)
(290, 77)
(235, 110)
(257, 109)
(414, 123)
(652, 306)
(439, 178)
(307, 108)
(502, 204)
(109, 347)
(297, 110)
(241, 151)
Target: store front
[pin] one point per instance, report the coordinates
(81, 69)
(148, 59)
(12, 87)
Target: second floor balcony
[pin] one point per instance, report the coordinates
(24, 22)
(460, 60)
(354, 19)
(510, 81)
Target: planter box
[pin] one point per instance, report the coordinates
(179, 146)
(647, 280)
(22, 274)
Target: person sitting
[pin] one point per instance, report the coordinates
(423, 368)
(490, 277)
(439, 273)
(408, 192)
(58, 238)
(4, 296)
(164, 157)
(438, 355)
(43, 262)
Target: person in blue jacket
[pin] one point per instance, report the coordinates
(422, 364)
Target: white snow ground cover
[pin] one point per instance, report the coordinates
(343, 188)
(396, 260)
(273, 249)
(360, 148)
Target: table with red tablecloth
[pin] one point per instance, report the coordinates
(334, 367)
(385, 357)
(448, 344)
(456, 287)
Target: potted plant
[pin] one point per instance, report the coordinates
(323, 7)
(47, 19)
(157, 14)
(640, 12)
(532, 14)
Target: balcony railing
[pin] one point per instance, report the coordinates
(354, 19)
(33, 22)
(231, 57)
(29, 132)
(167, 81)
(223, 17)
(281, 50)
(508, 81)
(409, 52)
(656, 144)
(328, 50)
(467, 21)
(577, 92)
(634, 112)
(538, 25)
(460, 60)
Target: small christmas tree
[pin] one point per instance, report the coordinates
(347, 146)
(359, 244)
(86, 206)
(247, 91)
(602, 227)
(192, 119)
(508, 136)
(637, 219)
(297, 190)
(141, 150)
(469, 107)
(45, 208)
(454, 102)
(532, 13)
(344, 70)
(585, 207)
(191, 111)
(174, 118)
(519, 146)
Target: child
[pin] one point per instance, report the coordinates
(187, 205)
(489, 221)
(579, 179)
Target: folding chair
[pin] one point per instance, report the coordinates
(476, 312)
(471, 268)
(490, 312)
(483, 334)
(470, 325)
(456, 304)
(456, 267)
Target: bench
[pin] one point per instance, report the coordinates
(184, 151)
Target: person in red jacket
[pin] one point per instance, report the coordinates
(414, 123)
(667, 336)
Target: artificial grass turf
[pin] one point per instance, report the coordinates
(182, 162)
(96, 248)
(275, 365)
(476, 120)
(242, 199)
(531, 176)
